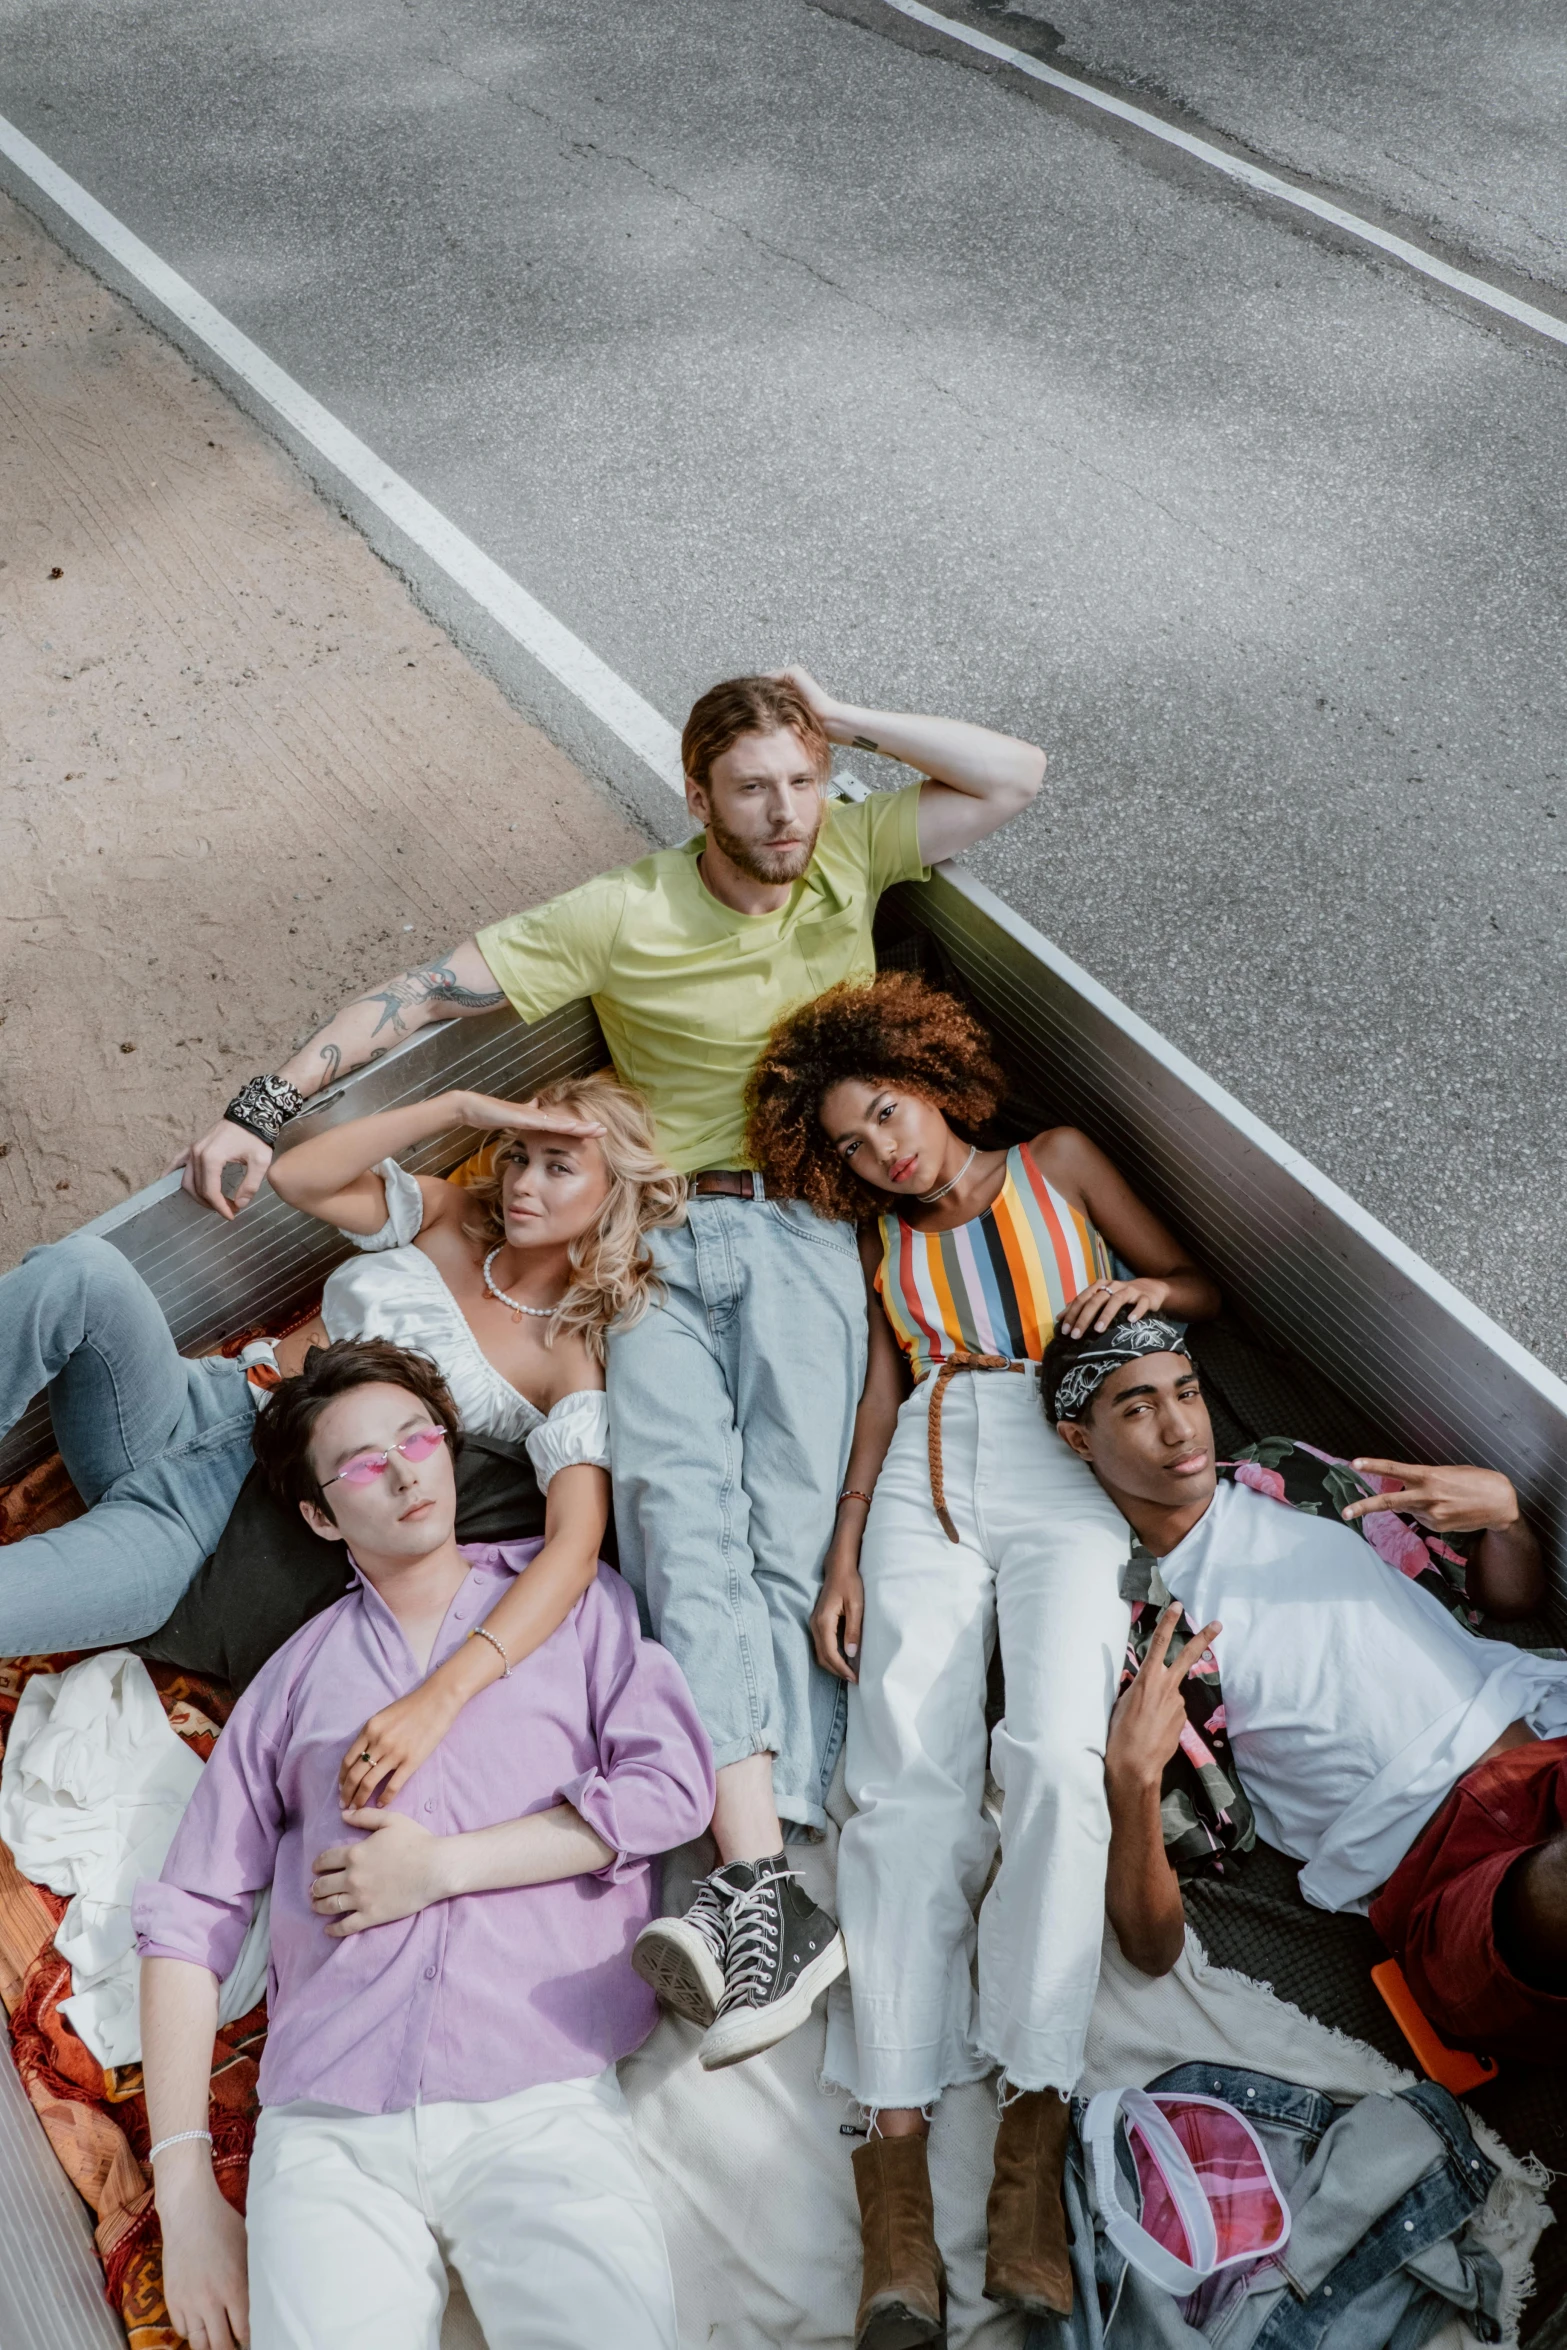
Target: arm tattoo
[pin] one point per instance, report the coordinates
(435, 983)
(862, 742)
(331, 1059)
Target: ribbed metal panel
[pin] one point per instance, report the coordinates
(1309, 1264)
(213, 1277)
(51, 2286)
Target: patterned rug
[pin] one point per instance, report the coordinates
(96, 2121)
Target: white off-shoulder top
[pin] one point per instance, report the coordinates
(395, 1291)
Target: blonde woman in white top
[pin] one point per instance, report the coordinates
(511, 1286)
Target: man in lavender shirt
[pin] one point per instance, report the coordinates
(450, 1988)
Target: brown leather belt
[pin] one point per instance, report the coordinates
(952, 1365)
(726, 1183)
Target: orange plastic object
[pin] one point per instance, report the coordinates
(1452, 2068)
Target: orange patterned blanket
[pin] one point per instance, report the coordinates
(96, 2121)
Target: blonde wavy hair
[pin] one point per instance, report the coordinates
(613, 1281)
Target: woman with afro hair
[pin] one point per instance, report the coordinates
(964, 1519)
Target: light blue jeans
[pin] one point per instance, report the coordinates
(157, 1447)
(731, 1409)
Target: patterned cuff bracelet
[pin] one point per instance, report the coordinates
(263, 1106)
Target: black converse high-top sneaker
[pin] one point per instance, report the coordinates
(683, 1958)
(781, 1954)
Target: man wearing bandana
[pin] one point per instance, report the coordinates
(1418, 1771)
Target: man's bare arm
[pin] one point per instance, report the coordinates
(204, 2279)
(1507, 1572)
(1142, 1891)
(459, 985)
(399, 1867)
(979, 780)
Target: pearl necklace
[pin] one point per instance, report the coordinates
(928, 1199)
(541, 1313)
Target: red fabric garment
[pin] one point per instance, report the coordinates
(1436, 1913)
(96, 2121)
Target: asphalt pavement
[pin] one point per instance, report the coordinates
(751, 330)
(1447, 116)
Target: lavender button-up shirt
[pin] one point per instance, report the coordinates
(488, 1993)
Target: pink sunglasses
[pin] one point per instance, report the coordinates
(365, 1467)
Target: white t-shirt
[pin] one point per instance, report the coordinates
(1354, 1700)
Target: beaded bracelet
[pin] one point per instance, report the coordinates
(479, 1633)
(853, 1493)
(177, 2139)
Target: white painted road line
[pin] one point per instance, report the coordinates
(618, 705)
(1250, 175)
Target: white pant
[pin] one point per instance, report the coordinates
(1039, 1561)
(537, 2200)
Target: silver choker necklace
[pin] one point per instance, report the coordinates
(928, 1199)
(540, 1313)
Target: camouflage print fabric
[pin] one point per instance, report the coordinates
(1202, 1805)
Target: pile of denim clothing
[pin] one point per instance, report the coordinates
(1381, 2252)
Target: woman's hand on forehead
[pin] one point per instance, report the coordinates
(489, 1112)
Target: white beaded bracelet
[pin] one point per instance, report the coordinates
(178, 2139)
(479, 1633)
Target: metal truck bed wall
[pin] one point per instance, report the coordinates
(1309, 1266)
(1304, 1261)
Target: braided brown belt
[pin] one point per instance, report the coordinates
(953, 1364)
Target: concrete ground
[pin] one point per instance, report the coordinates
(240, 770)
(743, 330)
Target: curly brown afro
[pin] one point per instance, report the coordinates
(893, 1030)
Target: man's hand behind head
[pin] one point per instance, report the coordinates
(225, 1146)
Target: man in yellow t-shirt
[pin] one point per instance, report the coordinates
(732, 1403)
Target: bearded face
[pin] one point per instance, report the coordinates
(764, 860)
(762, 806)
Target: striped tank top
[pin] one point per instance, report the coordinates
(995, 1285)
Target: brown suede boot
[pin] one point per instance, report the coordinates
(1027, 2266)
(903, 2296)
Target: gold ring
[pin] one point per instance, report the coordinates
(366, 1756)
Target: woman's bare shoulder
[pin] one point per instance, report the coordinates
(441, 1235)
(445, 1203)
(573, 1369)
(1062, 1151)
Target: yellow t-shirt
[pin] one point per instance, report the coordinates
(685, 988)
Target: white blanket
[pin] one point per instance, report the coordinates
(749, 2168)
(753, 2179)
(92, 1788)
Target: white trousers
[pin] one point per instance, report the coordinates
(1039, 1562)
(537, 2200)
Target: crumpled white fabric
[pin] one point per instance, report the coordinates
(404, 1209)
(577, 1429)
(93, 1785)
